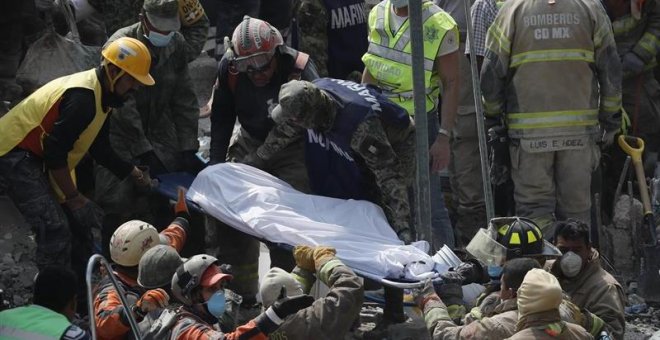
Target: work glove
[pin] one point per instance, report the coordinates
(304, 256)
(181, 207)
(191, 163)
(499, 157)
(631, 64)
(472, 271)
(322, 255)
(425, 294)
(150, 159)
(607, 138)
(85, 212)
(252, 159)
(152, 300)
(405, 235)
(272, 318)
(450, 290)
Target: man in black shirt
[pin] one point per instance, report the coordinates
(43, 138)
(250, 74)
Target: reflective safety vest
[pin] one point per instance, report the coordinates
(32, 322)
(389, 56)
(29, 122)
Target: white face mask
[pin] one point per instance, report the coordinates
(159, 39)
(399, 3)
(570, 264)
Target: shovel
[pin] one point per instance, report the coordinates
(650, 275)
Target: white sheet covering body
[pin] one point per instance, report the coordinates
(262, 205)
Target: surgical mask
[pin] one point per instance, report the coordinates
(399, 3)
(570, 264)
(216, 304)
(495, 271)
(159, 39)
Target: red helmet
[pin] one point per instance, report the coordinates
(253, 43)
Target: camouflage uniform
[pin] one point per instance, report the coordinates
(386, 149)
(194, 23)
(24, 180)
(160, 121)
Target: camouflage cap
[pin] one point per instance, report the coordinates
(163, 14)
(298, 101)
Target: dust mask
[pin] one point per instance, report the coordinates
(570, 264)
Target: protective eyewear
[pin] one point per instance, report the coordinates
(254, 63)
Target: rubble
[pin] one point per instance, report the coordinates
(17, 265)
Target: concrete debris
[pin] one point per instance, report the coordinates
(17, 266)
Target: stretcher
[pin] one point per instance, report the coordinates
(261, 205)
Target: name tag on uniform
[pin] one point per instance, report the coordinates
(554, 144)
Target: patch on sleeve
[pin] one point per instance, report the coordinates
(190, 11)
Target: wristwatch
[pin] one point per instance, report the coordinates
(443, 132)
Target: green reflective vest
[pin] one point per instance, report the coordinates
(389, 56)
(32, 322)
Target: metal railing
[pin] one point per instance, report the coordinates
(120, 291)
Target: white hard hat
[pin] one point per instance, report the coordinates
(131, 240)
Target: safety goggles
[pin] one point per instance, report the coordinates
(254, 63)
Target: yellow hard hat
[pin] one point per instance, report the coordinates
(132, 56)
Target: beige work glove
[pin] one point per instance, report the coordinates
(323, 254)
(304, 256)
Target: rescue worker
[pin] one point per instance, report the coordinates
(636, 26)
(118, 14)
(45, 136)
(372, 151)
(199, 284)
(516, 237)
(501, 325)
(157, 266)
(158, 128)
(52, 309)
(539, 297)
(230, 13)
(584, 280)
(329, 317)
(554, 121)
(128, 245)
(249, 79)
(388, 65)
(372, 144)
(464, 166)
(335, 42)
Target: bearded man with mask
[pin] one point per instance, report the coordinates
(157, 127)
(43, 138)
(583, 279)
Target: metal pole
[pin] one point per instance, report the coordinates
(122, 295)
(423, 211)
(478, 105)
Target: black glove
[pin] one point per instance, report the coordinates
(472, 271)
(191, 163)
(89, 215)
(499, 157)
(150, 159)
(450, 290)
(272, 318)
